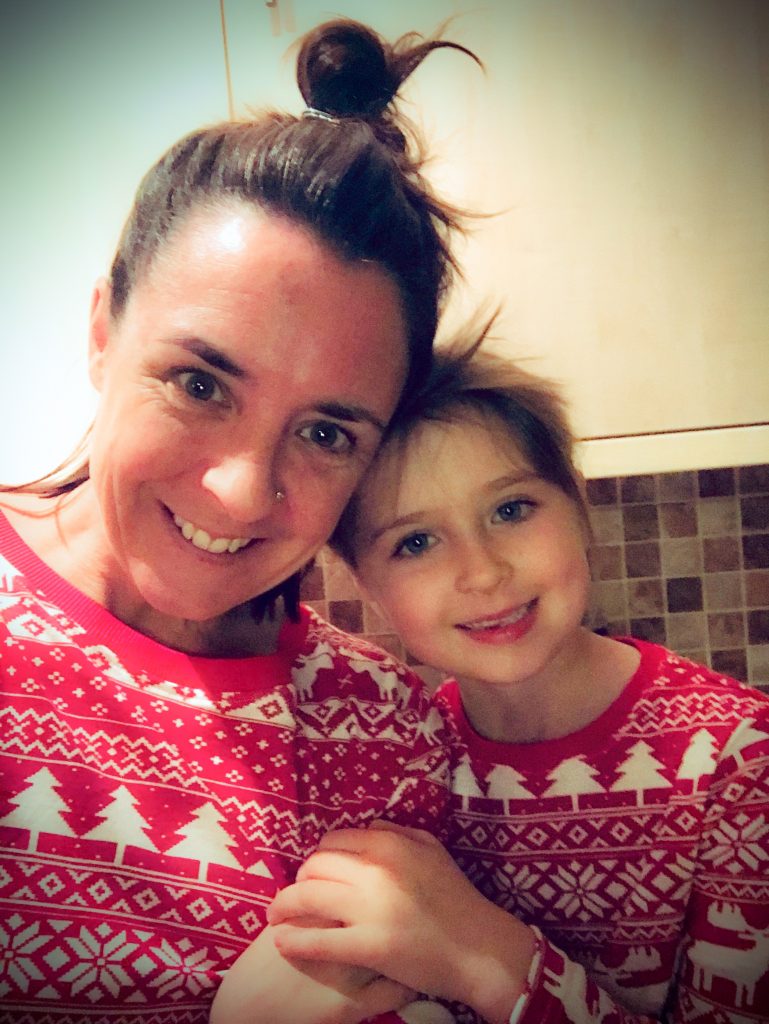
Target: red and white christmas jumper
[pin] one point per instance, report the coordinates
(152, 803)
(638, 846)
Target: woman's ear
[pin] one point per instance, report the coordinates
(98, 331)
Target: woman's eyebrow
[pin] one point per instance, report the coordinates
(211, 355)
(351, 414)
(337, 410)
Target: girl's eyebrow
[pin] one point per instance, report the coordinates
(336, 410)
(423, 515)
(395, 524)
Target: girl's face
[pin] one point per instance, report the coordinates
(249, 360)
(478, 563)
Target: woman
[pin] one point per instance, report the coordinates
(177, 733)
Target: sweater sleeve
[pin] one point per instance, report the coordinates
(723, 966)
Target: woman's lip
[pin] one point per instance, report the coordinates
(199, 538)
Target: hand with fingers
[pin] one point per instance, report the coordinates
(392, 900)
(264, 987)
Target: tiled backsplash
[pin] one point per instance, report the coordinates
(678, 558)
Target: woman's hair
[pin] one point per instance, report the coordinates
(349, 169)
(469, 383)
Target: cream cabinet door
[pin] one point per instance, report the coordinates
(91, 94)
(622, 151)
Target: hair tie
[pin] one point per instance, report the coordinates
(321, 114)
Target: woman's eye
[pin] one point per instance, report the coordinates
(328, 436)
(201, 386)
(415, 544)
(513, 511)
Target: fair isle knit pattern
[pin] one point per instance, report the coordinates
(151, 803)
(638, 845)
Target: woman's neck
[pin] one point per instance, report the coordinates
(59, 532)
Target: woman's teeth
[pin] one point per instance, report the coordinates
(203, 540)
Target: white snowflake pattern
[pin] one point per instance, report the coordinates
(187, 973)
(100, 954)
(579, 897)
(739, 844)
(18, 944)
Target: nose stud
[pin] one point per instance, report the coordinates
(280, 496)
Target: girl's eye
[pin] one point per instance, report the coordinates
(513, 511)
(201, 386)
(328, 436)
(414, 544)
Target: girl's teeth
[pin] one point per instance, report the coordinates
(506, 621)
(203, 540)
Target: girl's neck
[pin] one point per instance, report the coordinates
(583, 680)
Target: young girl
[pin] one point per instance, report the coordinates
(610, 798)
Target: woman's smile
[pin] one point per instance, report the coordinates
(205, 541)
(256, 371)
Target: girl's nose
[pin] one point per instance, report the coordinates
(245, 486)
(482, 567)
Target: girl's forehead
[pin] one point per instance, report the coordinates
(459, 432)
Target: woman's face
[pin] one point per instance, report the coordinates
(249, 360)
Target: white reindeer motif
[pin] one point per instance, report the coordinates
(306, 668)
(744, 966)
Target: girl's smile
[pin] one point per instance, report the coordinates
(477, 561)
(504, 627)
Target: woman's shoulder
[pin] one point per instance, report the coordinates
(327, 656)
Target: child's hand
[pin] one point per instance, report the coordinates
(403, 908)
(263, 987)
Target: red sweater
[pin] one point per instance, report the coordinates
(638, 845)
(151, 803)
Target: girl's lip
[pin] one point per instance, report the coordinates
(502, 629)
(512, 613)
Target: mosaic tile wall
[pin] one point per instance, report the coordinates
(678, 558)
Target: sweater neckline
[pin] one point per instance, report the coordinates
(89, 624)
(591, 737)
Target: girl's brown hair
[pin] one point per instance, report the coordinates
(469, 381)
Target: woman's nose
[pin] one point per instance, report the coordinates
(245, 485)
(482, 567)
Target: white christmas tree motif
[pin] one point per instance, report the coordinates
(639, 771)
(505, 783)
(464, 782)
(699, 757)
(122, 824)
(205, 841)
(260, 868)
(573, 777)
(39, 808)
(743, 736)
